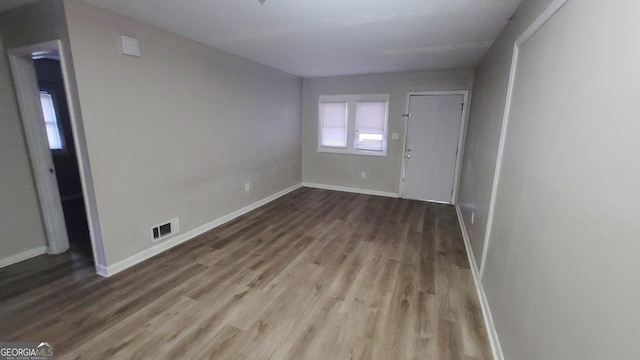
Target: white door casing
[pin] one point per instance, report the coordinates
(434, 133)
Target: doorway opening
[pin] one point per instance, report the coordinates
(435, 126)
(61, 143)
(54, 133)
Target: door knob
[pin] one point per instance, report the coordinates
(409, 150)
(408, 156)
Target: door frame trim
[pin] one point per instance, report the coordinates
(461, 136)
(26, 86)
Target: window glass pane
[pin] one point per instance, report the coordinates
(369, 137)
(333, 137)
(51, 121)
(333, 126)
(371, 118)
(53, 137)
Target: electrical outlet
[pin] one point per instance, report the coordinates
(247, 186)
(473, 217)
(363, 174)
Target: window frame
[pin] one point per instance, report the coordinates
(352, 101)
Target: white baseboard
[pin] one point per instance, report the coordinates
(10, 260)
(494, 341)
(351, 190)
(102, 270)
(111, 270)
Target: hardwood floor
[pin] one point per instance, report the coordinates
(315, 274)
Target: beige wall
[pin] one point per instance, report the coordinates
(20, 218)
(178, 131)
(383, 173)
(563, 260)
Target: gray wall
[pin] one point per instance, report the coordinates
(19, 213)
(40, 22)
(383, 173)
(563, 260)
(178, 131)
(26, 25)
(485, 123)
(34, 23)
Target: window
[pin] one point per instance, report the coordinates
(371, 118)
(333, 124)
(353, 124)
(51, 121)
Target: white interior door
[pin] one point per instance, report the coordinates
(433, 133)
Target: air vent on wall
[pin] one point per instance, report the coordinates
(163, 230)
(130, 46)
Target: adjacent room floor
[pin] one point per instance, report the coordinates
(316, 274)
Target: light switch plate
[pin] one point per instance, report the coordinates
(395, 136)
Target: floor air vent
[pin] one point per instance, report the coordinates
(164, 230)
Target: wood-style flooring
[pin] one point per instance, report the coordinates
(316, 274)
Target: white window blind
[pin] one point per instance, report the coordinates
(370, 125)
(333, 120)
(51, 121)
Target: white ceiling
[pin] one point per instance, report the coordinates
(333, 37)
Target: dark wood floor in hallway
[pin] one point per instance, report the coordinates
(316, 274)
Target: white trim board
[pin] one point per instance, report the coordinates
(350, 189)
(111, 270)
(25, 255)
(494, 341)
(526, 35)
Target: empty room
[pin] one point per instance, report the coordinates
(280, 179)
